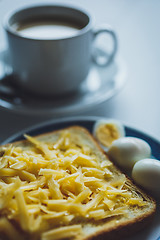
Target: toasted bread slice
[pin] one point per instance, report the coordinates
(61, 185)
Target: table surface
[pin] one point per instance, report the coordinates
(137, 24)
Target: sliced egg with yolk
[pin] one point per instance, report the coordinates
(108, 130)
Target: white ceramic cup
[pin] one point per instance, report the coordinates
(56, 65)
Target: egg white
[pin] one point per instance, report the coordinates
(126, 151)
(146, 173)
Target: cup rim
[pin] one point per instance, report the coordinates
(7, 27)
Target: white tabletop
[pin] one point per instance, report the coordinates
(137, 24)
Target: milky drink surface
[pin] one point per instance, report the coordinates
(48, 30)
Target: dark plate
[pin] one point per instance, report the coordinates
(151, 233)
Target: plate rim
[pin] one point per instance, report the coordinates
(64, 120)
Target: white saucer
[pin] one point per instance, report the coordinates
(101, 84)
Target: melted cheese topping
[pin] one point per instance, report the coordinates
(45, 188)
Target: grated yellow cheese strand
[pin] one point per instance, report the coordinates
(42, 147)
(24, 175)
(84, 195)
(8, 193)
(94, 202)
(57, 174)
(136, 201)
(62, 232)
(9, 230)
(22, 210)
(54, 189)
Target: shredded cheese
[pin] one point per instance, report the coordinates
(49, 185)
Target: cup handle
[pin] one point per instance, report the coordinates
(100, 54)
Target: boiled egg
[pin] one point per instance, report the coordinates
(126, 151)
(146, 173)
(108, 130)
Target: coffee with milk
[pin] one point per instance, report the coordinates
(47, 29)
